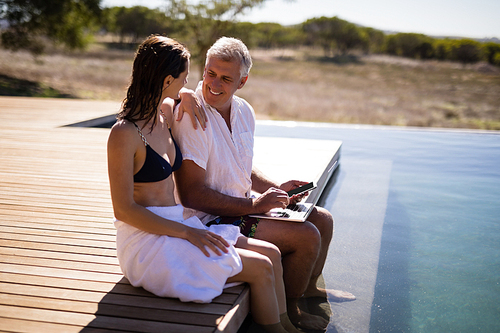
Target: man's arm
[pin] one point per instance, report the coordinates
(261, 183)
(193, 193)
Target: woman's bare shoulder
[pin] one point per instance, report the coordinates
(123, 127)
(123, 131)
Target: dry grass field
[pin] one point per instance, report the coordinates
(294, 85)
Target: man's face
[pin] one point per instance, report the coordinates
(221, 79)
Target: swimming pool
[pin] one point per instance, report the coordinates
(417, 235)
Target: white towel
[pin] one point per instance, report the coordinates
(173, 267)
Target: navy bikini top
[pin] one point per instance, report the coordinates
(155, 167)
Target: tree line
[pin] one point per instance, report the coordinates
(73, 23)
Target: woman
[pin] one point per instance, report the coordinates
(158, 249)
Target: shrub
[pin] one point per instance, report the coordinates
(467, 51)
(442, 49)
(496, 59)
(410, 45)
(491, 51)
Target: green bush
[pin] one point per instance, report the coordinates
(374, 40)
(442, 49)
(467, 51)
(410, 45)
(496, 59)
(491, 51)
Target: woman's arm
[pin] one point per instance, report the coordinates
(190, 104)
(123, 144)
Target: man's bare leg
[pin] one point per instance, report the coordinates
(323, 221)
(299, 244)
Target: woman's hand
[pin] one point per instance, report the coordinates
(202, 239)
(191, 105)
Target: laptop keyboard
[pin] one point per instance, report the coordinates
(293, 211)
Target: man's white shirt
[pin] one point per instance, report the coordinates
(226, 156)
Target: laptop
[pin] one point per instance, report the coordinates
(300, 211)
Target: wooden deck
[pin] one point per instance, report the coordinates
(58, 266)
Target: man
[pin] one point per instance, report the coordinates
(217, 177)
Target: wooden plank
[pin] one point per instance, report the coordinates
(23, 244)
(28, 326)
(58, 265)
(56, 193)
(15, 221)
(68, 184)
(7, 212)
(60, 273)
(40, 294)
(38, 238)
(27, 230)
(97, 320)
(77, 257)
(19, 228)
(229, 296)
(115, 310)
(64, 210)
(237, 314)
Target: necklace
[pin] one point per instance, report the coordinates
(164, 117)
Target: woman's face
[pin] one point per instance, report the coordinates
(177, 83)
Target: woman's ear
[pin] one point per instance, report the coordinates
(168, 81)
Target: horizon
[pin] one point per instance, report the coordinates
(435, 18)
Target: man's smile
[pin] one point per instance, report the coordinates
(213, 92)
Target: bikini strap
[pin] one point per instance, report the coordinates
(142, 135)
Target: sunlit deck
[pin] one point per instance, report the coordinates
(58, 266)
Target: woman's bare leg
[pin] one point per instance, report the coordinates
(258, 273)
(272, 252)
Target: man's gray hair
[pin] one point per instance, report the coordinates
(229, 49)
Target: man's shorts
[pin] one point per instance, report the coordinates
(247, 224)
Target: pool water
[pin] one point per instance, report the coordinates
(439, 261)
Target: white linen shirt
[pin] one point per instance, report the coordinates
(226, 156)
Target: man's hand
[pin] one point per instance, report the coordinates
(290, 185)
(272, 198)
(191, 105)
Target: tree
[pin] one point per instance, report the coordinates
(410, 45)
(334, 32)
(376, 40)
(426, 50)
(496, 59)
(206, 21)
(491, 51)
(442, 49)
(349, 37)
(135, 23)
(274, 35)
(320, 32)
(467, 51)
(32, 22)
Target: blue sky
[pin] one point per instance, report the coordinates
(463, 18)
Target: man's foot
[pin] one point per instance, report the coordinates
(308, 321)
(332, 294)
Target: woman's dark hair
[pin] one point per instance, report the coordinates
(156, 58)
